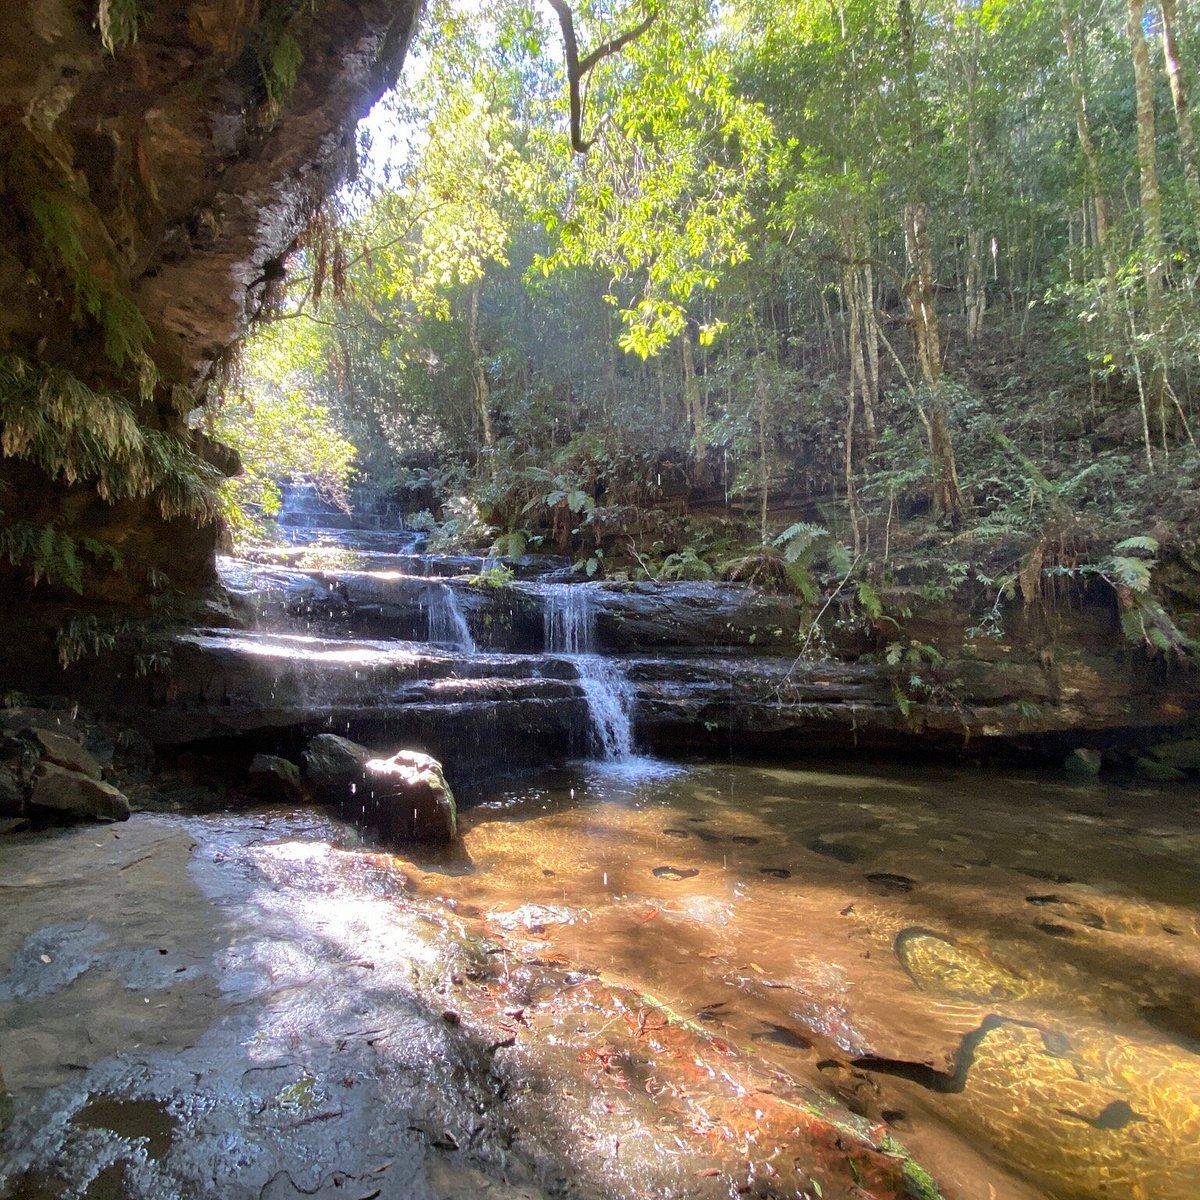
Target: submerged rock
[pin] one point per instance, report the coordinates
(76, 796)
(1159, 772)
(276, 779)
(406, 799)
(1183, 755)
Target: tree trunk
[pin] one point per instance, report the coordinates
(760, 389)
(975, 283)
(696, 413)
(1091, 159)
(1151, 200)
(483, 392)
(918, 289)
(1150, 203)
(919, 292)
(1183, 113)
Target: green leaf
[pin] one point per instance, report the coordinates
(1132, 572)
(1148, 544)
(868, 597)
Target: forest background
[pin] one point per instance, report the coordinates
(816, 295)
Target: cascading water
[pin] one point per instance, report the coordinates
(446, 623)
(569, 626)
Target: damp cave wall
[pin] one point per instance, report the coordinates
(156, 181)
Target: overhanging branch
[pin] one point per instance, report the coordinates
(578, 68)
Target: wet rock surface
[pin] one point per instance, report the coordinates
(405, 798)
(276, 780)
(271, 1014)
(366, 648)
(75, 796)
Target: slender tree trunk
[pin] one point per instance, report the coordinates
(872, 326)
(861, 323)
(1151, 199)
(483, 392)
(760, 388)
(919, 292)
(1091, 158)
(919, 289)
(1183, 113)
(695, 407)
(975, 275)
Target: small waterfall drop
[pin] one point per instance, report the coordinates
(569, 623)
(446, 623)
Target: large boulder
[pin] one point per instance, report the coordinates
(406, 798)
(75, 796)
(335, 766)
(64, 751)
(276, 779)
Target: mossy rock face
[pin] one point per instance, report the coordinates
(1159, 772)
(1082, 762)
(126, 257)
(6, 1106)
(1183, 755)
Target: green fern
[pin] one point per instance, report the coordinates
(119, 22)
(52, 556)
(56, 214)
(510, 545)
(871, 603)
(50, 418)
(280, 67)
(800, 540)
(1130, 572)
(86, 636)
(1147, 544)
(686, 564)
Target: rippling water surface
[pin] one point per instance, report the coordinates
(1003, 968)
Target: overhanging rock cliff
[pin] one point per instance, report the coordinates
(154, 174)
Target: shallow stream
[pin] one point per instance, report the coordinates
(630, 980)
(1003, 968)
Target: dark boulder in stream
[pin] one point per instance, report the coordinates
(276, 779)
(403, 798)
(407, 799)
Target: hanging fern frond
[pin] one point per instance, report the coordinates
(52, 556)
(119, 22)
(1132, 573)
(54, 420)
(1147, 545)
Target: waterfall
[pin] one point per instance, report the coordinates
(446, 623)
(569, 623)
(568, 619)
